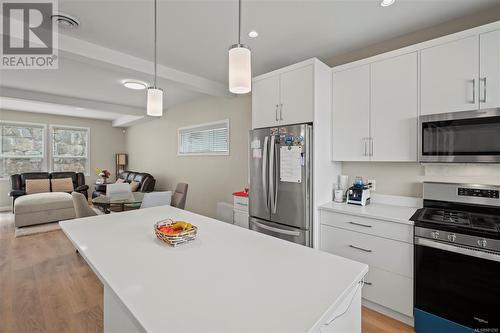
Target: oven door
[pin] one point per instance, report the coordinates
(470, 136)
(455, 285)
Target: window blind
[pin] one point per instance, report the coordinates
(22, 148)
(205, 139)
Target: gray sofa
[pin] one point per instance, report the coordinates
(39, 208)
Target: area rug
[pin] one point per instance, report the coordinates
(36, 229)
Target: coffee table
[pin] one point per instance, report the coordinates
(105, 201)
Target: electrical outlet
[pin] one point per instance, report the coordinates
(373, 187)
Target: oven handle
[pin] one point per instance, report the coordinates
(457, 249)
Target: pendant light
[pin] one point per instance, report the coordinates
(240, 65)
(155, 95)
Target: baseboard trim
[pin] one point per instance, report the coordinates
(5, 209)
(388, 312)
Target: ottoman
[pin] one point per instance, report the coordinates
(41, 208)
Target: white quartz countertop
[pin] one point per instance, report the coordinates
(228, 279)
(393, 213)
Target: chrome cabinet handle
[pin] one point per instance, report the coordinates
(276, 112)
(484, 90)
(361, 224)
(473, 91)
(281, 111)
(364, 147)
(360, 248)
(371, 146)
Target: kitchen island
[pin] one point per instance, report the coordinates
(229, 279)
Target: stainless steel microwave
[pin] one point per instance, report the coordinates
(461, 137)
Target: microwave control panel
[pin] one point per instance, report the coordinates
(476, 192)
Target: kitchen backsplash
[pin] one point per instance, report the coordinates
(405, 179)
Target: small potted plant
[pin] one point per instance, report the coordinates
(103, 173)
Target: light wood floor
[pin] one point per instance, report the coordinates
(46, 287)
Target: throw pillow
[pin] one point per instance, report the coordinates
(134, 186)
(62, 185)
(37, 186)
(119, 181)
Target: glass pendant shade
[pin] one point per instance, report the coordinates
(155, 102)
(240, 69)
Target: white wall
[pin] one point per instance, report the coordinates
(152, 148)
(105, 142)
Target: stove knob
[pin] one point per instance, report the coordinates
(435, 234)
(482, 242)
(452, 237)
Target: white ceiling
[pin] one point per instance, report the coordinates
(194, 36)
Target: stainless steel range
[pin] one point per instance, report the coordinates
(457, 259)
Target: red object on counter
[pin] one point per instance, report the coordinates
(241, 194)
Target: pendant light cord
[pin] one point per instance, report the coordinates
(239, 22)
(155, 41)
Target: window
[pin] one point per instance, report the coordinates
(70, 148)
(22, 148)
(205, 139)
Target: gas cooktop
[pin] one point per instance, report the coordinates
(475, 221)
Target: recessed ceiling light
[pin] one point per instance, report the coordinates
(136, 85)
(253, 34)
(387, 3)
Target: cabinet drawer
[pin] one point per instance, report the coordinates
(241, 203)
(240, 219)
(397, 231)
(387, 254)
(390, 290)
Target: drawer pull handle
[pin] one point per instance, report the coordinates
(361, 224)
(242, 204)
(359, 248)
(368, 283)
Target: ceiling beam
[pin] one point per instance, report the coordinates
(29, 95)
(84, 51)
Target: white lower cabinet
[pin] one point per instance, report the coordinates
(240, 211)
(387, 247)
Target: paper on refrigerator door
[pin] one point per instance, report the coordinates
(290, 164)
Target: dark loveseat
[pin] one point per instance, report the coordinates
(146, 182)
(18, 181)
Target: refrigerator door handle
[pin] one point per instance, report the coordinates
(271, 173)
(276, 180)
(264, 172)
(279, 231)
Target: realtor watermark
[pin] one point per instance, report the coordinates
(29, 39)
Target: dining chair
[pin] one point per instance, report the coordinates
(153, 199)
(117, 188)
(82, 207)
(180, 195)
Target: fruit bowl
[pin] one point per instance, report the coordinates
(175, 232)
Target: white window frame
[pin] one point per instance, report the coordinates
(45, 156)
(51, 150)
(181, 129)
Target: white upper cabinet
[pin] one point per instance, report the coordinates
(297, 96)
(394, 109)
(265, 101)
(489, 77)
(283, 98)
(351, 114)
(450, 77)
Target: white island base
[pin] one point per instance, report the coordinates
(229, 279)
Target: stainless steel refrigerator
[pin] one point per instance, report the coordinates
(281, 182)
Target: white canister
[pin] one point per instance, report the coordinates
(339, 196)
